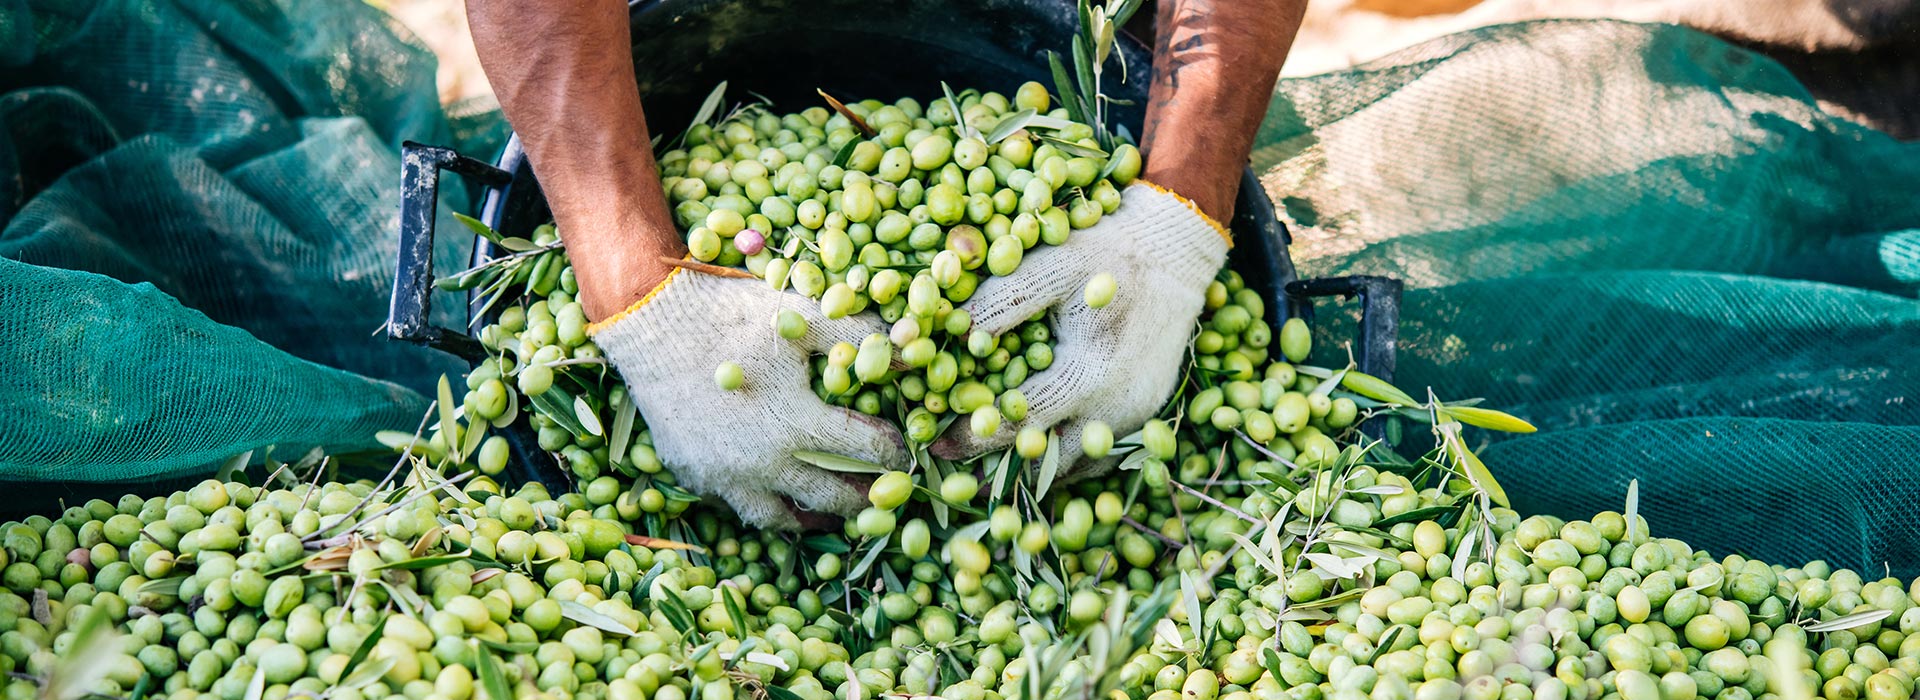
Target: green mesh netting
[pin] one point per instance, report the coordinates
(198, 201)
(1652, 245)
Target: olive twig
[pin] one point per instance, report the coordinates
(1209, 500)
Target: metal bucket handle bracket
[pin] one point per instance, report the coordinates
(1379, 314)
(412, 301)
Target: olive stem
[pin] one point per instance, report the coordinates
(341, 539)
(1214, 570)
(1156, 533)
(1215, 503)
(576, 361)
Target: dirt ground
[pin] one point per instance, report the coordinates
(1861, 58)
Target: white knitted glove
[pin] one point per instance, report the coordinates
(1119, 363)
(739, 444)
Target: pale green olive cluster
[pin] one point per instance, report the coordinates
(904, 210)
(1309, 568)
(1574, 610)
(1365, 578)
(1295, 415)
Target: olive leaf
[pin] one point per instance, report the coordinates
(1049, 466)
(369, 674)
(839, 463)
(1331, 566)
(855, 119)
(826, 543)
(234, 466)
(1328, 602)
(1073, 148)
(734, 657)
(779, 693)
(675, 493)
(1633, 509)
(169, 587)
(1259, 556)
(1463, 553)
(449, 423)
(734, 613)
(1000, 471)
(491, 679)
(841, 158)
(366, 647)
(557, 405)
(1851, 621)
(1010, 124)
(1468, 463)
(589, 418)
(516, 244)
(758, 657)
(708, 108)
(972, 532)
(423, 562)
(935, 475)
(479, 227)
(1387, 640)
(1069, 97)
(1489, 419)
(659, 543)
(1195, 614)
(511, 647)
(960, 125)
(470, 444)
(643, 591)
(623, 417)
(866, 562)
(591, 618)
(675, 610)
(1369, 386)
(257, 688)
(84, 665)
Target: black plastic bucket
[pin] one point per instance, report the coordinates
(854, 49)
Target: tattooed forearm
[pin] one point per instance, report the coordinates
(1181, 40)
(1214, 63)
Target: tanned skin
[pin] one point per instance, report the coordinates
(563, 71)
(1214, 66)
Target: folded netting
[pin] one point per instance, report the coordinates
(1654, 246)
(199, 202)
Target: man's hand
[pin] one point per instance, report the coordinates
(739, 444)
(1214, 64)
(564, 74)
(1116, 364)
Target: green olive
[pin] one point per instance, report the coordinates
(1100, 290)
(890, 490)
(729, 376)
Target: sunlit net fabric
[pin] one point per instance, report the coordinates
(1652, 245)
(198, 207)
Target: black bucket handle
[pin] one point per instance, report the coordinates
(412, 303)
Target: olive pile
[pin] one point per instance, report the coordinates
(1211, 564)
(905, 210)
(891, 207)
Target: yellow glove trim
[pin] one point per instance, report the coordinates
(1217, 228)
(605, 323)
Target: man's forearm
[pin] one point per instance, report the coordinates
(564, 74)
(1214, 66)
